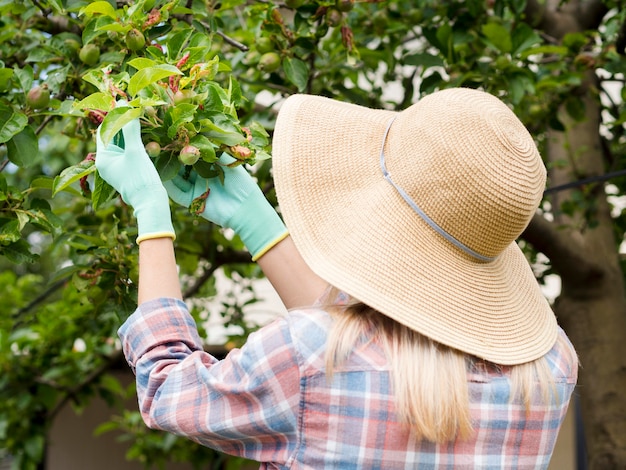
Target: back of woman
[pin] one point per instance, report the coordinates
(350, 420)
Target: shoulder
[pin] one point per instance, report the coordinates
(562, 358)
(308, 331)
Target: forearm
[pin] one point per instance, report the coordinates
(158, 273)
(293, 280)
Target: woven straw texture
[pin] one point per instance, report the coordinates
(467, 161)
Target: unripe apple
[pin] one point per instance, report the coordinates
(184, 96)
(72, 45)
(269, 62)
(189, 155)
(89, 54)
(344, 5)
(150, 111)
(135, 39)
(333, 17)
(264, 44)
(38, 97)
(153, 149)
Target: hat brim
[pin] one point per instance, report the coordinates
(357, 233)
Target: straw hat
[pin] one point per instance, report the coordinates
(416, 214)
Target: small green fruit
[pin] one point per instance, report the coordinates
(184, 96)
(269, 62)
(264, 44)
(189, 155)
(38, 97)
(153, 149)
(72, 45)
(150, 111)
(333, 17)
(89, 54)
(344, 5)
(114, 36)
(135, 40)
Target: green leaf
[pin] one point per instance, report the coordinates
(207, 149)
(544, 50)
(101, 8)
(180, 114)
(150, 75)
(142, 63)
(58, 77)
(72, 174)
(115, 120)
(18, 252)
(101, 101)
(106, 427)
(23, 148)
(234, 89)
(523, 38)
(102, 192)
(34, 446)
(445, 39)
(42, 182)
(95, 27)
(11, 123)
(41, 55)
(297, 72)
(22, 218)
(176, 42)
(424, 59)
(222, 131)
(498, 36)
(208, 170)
(167, 165)
(5, 78)
(10, 232)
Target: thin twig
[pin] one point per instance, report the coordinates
(233, 42)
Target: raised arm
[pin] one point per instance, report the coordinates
(130, 171)
(158, 273)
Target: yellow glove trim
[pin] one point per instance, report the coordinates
(271, 245)
(150, 236)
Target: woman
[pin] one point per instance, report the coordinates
(417, 335)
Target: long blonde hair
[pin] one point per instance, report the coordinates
(431, 392)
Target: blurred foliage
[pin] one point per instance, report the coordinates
(211, 74)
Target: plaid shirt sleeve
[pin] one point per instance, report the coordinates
(244, 405)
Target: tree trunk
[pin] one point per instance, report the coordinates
(591, 307)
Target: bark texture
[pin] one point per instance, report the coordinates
(582, 249)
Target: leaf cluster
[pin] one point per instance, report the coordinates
(212, 75)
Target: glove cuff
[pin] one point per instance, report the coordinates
(258, 225)
(154, 219)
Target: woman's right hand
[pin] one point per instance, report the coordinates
(238, 203)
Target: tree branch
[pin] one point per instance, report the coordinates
(40, 298)
(231, 257)
(565, 253)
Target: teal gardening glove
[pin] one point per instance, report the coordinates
(130, 171)
(238, 204)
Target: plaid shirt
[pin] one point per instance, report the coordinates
(270, 401)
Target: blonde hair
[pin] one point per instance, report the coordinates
(431, 392)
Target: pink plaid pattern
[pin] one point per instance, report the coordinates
(271, 401)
